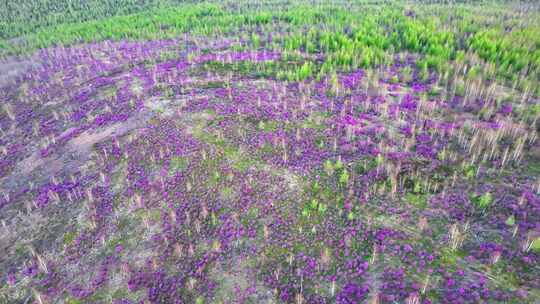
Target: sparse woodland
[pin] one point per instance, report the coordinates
(157, 151)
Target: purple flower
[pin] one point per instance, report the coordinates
(506, 109)
(352, 293)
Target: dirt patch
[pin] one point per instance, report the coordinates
(84, 142)
(73, 155)
(11, 68)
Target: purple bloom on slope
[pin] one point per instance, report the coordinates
(352, 293)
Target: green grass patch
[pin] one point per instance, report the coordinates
(417, 200)
(177, 164)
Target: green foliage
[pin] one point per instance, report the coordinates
(460, 89)
(339, 164)
(510, 221)
(535, 245)
(177, 164)
(153, 22)
(344, 177)
(74, 301)
(328, 167)
(483, 201)
(297, 73)
(25, 16)
(199, 300)
(268, 126)
(69, 237)
(314, 207)
(379, 160)
(255, 40)
(449, 257)
(417, 187)
(512, 52)
(360, 35)
(227, 193)
(469, 171)
(418, 200)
